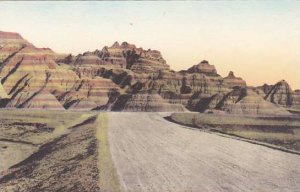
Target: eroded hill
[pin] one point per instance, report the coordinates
(121, 77)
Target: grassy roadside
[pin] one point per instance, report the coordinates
(108, 176)
(38, 126)
(66, 163)
(282, 132)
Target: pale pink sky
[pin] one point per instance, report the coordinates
(258, 40)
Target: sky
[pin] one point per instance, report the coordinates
(258, 40)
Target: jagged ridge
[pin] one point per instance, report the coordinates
(32, 77)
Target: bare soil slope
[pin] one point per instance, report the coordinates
(152, 154)
(67, 163)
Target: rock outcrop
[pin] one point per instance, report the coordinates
(262, 90)
(123, 77)
(32, 79)
(145, 102)
(247, 102)
(10, 43)
(202, 102)
(125, 56)
(232, 81)
(240, 101)
(198, 88)
(281, 94)
(203, 67)
(296, 100)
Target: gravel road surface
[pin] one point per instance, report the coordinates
(152, 154)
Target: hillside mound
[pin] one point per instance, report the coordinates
(31, 76)
(247, 102)
(281, 94)
(67, 163)
(145, 102)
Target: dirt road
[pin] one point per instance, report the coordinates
(152, 154)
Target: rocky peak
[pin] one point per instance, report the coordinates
(9, 40)
(10, 35)
(116, 44)
(231, 74)
(282, 83)
(11, 43)
(204, 62)
(281, 94)
(203, 67)
(88, 53)
(127, 45)
(232, 81)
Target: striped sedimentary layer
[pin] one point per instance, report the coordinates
(247, 102)
(32, 79)
(145, 102)
(123, 77)
(240, 101)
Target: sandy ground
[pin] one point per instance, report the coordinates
(152, 154)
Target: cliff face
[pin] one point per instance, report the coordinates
(203, 67)
(175, 87)
(232, 81)
(121, 77)
(247, 102)
(11, 43)
(32, 79)
(281, 94)
(136, 71)
(145, 102)
(240, 101)
(125, 56)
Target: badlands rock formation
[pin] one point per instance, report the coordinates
(32, 79)
(11, 43)
(3, 94)
(175, 87)
(232, 81)
(282, 94)
(145, 102)
(262, 90)
(240, 101)
(296, 101)
(119, 77)
(203, 67)
(247, 102)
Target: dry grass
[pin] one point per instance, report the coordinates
(23, 131)
(28, 132)
(281, 131)
(108, 176)
(67, 163)
(37, 126)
